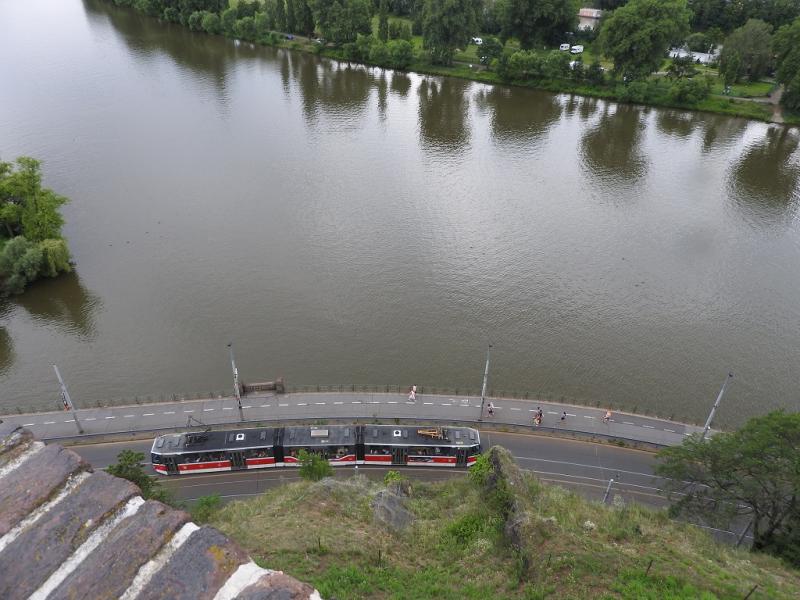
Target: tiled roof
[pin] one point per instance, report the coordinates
(68, 532)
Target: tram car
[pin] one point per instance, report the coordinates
(270, 447)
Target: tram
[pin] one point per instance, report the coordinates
(270, 447)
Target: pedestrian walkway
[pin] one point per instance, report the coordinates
(320, 406)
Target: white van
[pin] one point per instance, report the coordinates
(564, 47)
(477, 41)
(576, 49)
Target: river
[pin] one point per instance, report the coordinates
(343, 224)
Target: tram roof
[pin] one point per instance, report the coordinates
(322, 436)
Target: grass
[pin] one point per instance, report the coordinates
(324, 533)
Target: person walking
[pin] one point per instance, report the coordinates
(490, 409)
(607, 416)
(563, 416)
(412, 394)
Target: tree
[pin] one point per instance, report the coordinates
(753, 473)
(383, 21)
(130, 466)
(55, 258)
(228, 20)
(490, 50)
(681, 67)
(340, 21)
(399, 30)
(539, 21)
(401, 53)
(447, 25)
(280, 15)
(211, 23)
(638, 35)
(747, 52)
(304, 17)
(313, 467)
(20, 263)
(786, 45)
(26, 208)
(291, 22)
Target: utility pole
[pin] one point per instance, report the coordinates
(67, 401)
(485, 380)
(716, 404)
(236, 391)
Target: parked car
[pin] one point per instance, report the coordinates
(477, 41)
(289, 36)
(576, 49)
(564, 47)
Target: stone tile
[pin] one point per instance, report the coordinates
(129, 545)
(28, 486)
(28, 561)
(198, 569)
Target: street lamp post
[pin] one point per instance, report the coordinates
(67, 400)
(236, 391)
(485, 380)
(716, 404)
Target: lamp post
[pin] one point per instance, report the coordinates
(716, 404)
(236, 391)
(485, 379)
(67, 401)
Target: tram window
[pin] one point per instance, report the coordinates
(239, 437)
(263, 435)
(375, 432)
(346, 432)
(458, 434)
(472, 435)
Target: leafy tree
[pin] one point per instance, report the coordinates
(20, 263)
(595, 74)
(291, 21)
(747, 52)
(245, 29)
(195, 21)
(130, 466)
(786, 45)
(211, 24)
(399, 30)
(401, 53)
(539, 21)
(340, 21)
(55, 258)
(280, 15)
(753, 472)
(681, 67)
(690, 91)
(638, 35)
(490, 50)
(304, 17)
(26, 208)
(383, 21)
(447, 25)
(313, 467)
(228, 20)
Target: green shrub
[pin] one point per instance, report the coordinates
(313, 467)
(206, 508)
(20, 263)
(480, 471)
(399, 30)
(690, 91)
(392, 477)
(55, 258)
(401, 54)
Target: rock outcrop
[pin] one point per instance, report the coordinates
(67, 532)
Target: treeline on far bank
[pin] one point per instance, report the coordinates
(31, 245)
(520, 37)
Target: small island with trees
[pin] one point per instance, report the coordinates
(31, 244)
(627, 57)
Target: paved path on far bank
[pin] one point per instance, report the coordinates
(362, 406)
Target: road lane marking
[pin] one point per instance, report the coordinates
(111, 417)
(372, 402)
(628, 423)
(170, 412)
(516, 409)
(227, 408)
(128, 416)
(356, 402)
(32, 424)
(49, 422)
(283, 405)
(390, 402)
(70, 421)
(588, 417)
(427, 402)
(549, 412)
(247, 407)
(188, 411)
(208, 409)
(446, 404)
(91, 419)
(317, 403)
(670, 430)
(341, 403)
(265, 406)
(648, 426)
(302, 404)
(151, 414)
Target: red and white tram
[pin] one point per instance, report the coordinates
(341, 445)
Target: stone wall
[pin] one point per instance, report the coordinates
(68, 532)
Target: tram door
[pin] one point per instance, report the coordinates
(399, 456)
(237, 461)
(171, 462)
(461, 457)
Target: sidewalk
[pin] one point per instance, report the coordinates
(322, 406)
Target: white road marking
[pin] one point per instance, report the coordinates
(128, 416)
(283, 405)
(516, 409)
(343, 402)
(356, 402)
(151, 414)
(170, 412)
(111, 417)
(265, 406)
(49, 422)
(588, 417)
(32, 424)
(247, 407)
(446, 404)
(670, 430)
(374, 402)
(427, 402)
(302, 404)
(91, 419)
(549, 412)
(571, 415)
(70, 421)
(648, 426)
(207, 409)
(188, 411)
(628, 423)
(390, 402)
(319, 403)
(227, 408)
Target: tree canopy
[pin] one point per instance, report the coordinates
(447, 25)
(340, 21)
(747, 52)
(786, 44)
(539, 21)
(637, 36)
(130, 466)
(753, 473)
